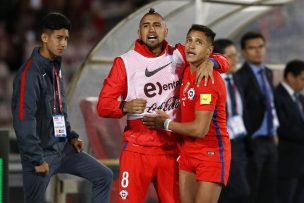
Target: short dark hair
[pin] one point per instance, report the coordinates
(202, 28)
(55, 21)
(221, 44)
(151, 12)
(295, 67)
(250, 35)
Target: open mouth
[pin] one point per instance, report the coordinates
(152, 37)
(191, 53)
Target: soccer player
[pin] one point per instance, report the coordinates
(205, 154)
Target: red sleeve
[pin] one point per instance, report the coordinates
(207, 97)
(222, 61)
(114, 86)
(181, 49)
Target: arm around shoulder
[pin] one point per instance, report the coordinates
(223, 64)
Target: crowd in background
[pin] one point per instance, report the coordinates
(91, 20)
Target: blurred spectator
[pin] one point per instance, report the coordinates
(5, 94)
(256, 84)
(290, 108)
(237, 189)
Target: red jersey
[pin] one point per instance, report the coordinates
(215, 146)
(115, 86)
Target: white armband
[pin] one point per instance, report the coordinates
(166, 123)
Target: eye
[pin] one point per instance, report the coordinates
(199, 42)
(157, 25)
(188, 40)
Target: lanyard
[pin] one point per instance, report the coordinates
(233, 95)
(235, 108)
(58, 90)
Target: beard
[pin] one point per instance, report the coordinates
(155, 46)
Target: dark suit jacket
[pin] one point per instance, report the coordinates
(291, 134)
(254, 100)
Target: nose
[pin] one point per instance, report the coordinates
(192, 45)
(151, 28)
(64, 42)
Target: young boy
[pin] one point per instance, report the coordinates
(46, 142)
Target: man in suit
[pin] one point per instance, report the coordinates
(237, 189)
(290, 104)
(260, 119)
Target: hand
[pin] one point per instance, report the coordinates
(205, 71)
(155, 120)
(78, 144)
(276, 140)
(135, 106)
(43, 168)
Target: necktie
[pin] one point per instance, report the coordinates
(299, 104)
(231, 91)
(268, 102)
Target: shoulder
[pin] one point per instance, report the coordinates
(128, 53)
(280, 90)
(268, 71)
(118, 65)
(243, 74)
(29, 68)
(244, 68)
(218, 84)
(118, 59)
(180, 47)
(218, 80)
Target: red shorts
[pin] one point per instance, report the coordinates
(138, 171)
(209, 171)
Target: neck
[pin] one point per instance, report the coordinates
(195, 65)
(290, 85)
(157, 50)
(45, 53)
(259, 64)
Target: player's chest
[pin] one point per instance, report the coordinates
(188, 94)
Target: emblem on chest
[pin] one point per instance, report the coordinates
(191, 94)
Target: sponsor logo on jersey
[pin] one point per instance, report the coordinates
(151, 73)
(205, 98)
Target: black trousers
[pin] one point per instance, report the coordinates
(237, 189)
(291, 190)
(262, 169)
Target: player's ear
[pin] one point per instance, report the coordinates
(44, 37)
(166, 32)
(210, 49)
(139, 35)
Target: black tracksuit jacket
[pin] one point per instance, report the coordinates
(32, 109)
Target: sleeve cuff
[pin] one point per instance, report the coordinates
(73, 135)
(216, 65)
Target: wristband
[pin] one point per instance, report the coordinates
(166, 123)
